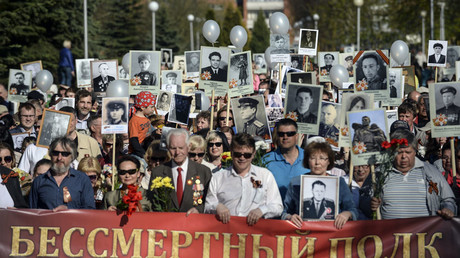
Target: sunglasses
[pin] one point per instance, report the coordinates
(158, 159)
(63, 153)
(7, 159)
(92, 177)
(217, 144)
(288, 134)
(224, 118)
(122, 172)
(240, 154)
(192, 155)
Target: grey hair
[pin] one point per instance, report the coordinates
(177, 132)
(66, 143)
(405, 134)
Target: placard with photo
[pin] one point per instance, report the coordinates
(409, 79)
(392, 116)
(167, 57)
(35, 67)
(346, 59)
(329, 126)
(368, 129)
(457, 70)
(308, 41)
(283, 82)
(240, 74)
(250, 116)
(396, 87)
(319, 197)
(279, 45)
(302, 77)
(122, 73)
(437, 51)
(188, 88)
(179, 64)
(179, 109)
(20, 83)
(303, 104)
(164, 102)
(445, 109)
(371, 73)
(65, 102)
(214, 70)
(18, 139)
(275, 101)
(298, 62)
(192, 63)
(115, 115)
(171, 81)
(83, 70)
(102, 73)
(144, 71)
(260, 63)
(55, 124)
(326, 60)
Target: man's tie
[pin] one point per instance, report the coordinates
(179, 189)
(317, 209)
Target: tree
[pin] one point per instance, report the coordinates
(167, 36)
(260, 38)
(232, 17)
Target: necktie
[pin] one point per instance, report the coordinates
(317, 209)
(179, 189)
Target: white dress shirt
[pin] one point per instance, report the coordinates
(184, 167)
(240, 196)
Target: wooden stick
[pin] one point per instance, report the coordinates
(212, 111)
(379, 216)
(228, 112)
(114, 169)
(436, 75)
(453, 161)
(350, 174)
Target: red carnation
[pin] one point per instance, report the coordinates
(386, 145)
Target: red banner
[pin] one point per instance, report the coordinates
(86, 233)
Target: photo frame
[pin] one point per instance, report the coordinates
(179, 109)
(395, 86)
(260, 63)
(188, 88)
(302, 77)
(409, 79)
(240, 74)
(19, 85)
(325, 62)
(346, 59)
(171, 81)
(35, 67)
(55, 124)
(275, 101)
(102, 73)
(274, 115)
(83, 72)
(144, 71)
(122, 73)
(319, 197)
(437, 51)
(285, 70)
(115, 115)
(444, 105)
(192, 63)
(298, 61)
(65, 102)
(164, 102)
(279, 48)
(166, 57)
(308, 42)
(18, 139)
(371, 73)
(214, 70)
(179, 64)
(329, 126)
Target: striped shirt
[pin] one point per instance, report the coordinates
(404, 196)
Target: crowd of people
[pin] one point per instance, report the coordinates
(77, 170)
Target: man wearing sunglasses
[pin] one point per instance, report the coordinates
(191, 180)
(285, 162)
(243, 189)
(62, 187)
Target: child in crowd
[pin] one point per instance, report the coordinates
(139, 124)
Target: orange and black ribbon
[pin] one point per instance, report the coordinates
(433, 187)
(10, 175)
(66, 193)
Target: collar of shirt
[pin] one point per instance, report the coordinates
(417, 164)
(84, 119)
(71, 173)
(252, 172)
(279, 156)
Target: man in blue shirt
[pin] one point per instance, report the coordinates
(286, 161)
(66, 68)
(62, 187)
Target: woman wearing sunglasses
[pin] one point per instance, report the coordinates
(217, 144)
(91, 167)
(9, 182)
(128, 174)
(8, 160)
(197, 151)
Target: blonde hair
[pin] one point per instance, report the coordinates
(197, 141)
(66, 43)
(90, 164)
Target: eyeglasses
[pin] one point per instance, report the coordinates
(7, 159)
(318, 158)
(92, 177)
(122, 172)
(199, 154)
(224, 118)
(217, 144)
(63, 153)
(288, 134)
(158, 159)
(241, 154)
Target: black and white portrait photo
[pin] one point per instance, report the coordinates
(171, 81)
(368, 130)
(102, 73)
(279, 44)
(307, 42)
(65, 102)
(179, 109)
(346, 59)
(188, 88)
(145, 68)
(445, 109)
(260, 63)
(319, 197)
(329, 126)
(55, 124)
(303, 101)
(395, 83)
(297, 62)
(437, 51)
(214, 63)
(240, 72)
(326, 60)
(18, 139)
(19, 85)
(122, 73)
(302, 77)
(179, 64)
(285, 71)
(250, 117)
(163, 102)
(371, 73)
(34, 67)
(115, 115)
(274, 101)
(83, 72)
(192, 63)
(166, 57)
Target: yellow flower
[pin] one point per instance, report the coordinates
(167, 180)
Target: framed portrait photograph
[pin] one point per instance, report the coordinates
(240, 74)
(18, 139)
(283, 82)
(346, 59)
(409, 79)
(445, 109)
(102, 73)
(214, 70)
(392, 116)
(19, 85)
(319, 197)
(437, 51)
(192, 63)
(188, 88)
(171, 81)
(166, 57)
(260, 63)
(179, 109)
(298, 62)
(279, 44)
(395, 86)
(83, 72)
(368, 129)
(453, 55)
(115, 115)
(179, 64)
(457, 70)
(55, 124)
(250, 117)
(144, 71)
(65, 102)
(302, 77)
(303, 104)
(329, 126)
(326, 60)
(275, 101)
(307, 42)
(371, 73)
(122, 73)
(34, 67)
(274, 115)
(164, 102)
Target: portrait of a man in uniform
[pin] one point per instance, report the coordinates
(449, 109)
(371, 71)
(250, 117)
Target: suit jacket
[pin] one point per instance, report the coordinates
(432, 59)
(99, 85)
(87, 145)
(309, 209)
(193, 170)
(14, 189)
(221, 76)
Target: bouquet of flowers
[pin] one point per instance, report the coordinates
(390, 149)
(162, 196)
(129, 201)
(226, 159)
(261, 150)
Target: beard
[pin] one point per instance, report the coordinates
(60, 169)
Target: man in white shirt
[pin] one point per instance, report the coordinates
(243, 189)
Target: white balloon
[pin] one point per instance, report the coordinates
(279, 23)
(117, 88)
(268, 58)
(211, 31)
(399, 51)
(339, 75)
(44, 79)
(238, 36)
(125, 62)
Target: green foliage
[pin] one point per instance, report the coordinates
(232, 17)
(166, 32)
(260, 38)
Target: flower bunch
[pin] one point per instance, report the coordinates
(259, 157)
(226, 159)
(162, 187)
(25, 181)
(129, 201)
